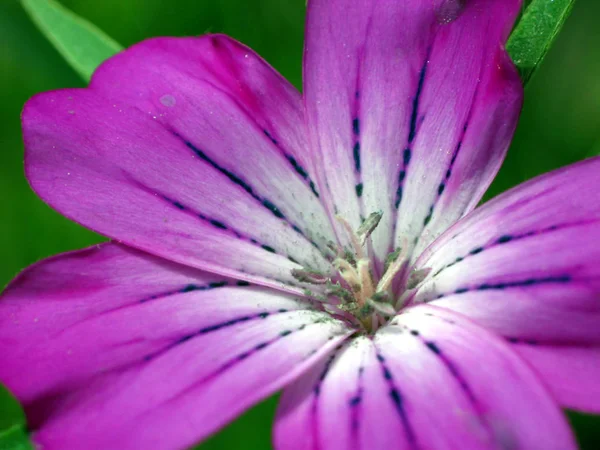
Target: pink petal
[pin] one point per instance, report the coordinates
(192, 149)
(571, 373)
(411, 106)
(431, 380)
(113, 348)
(525, 265)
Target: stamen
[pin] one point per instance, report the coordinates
(359, 297)
(315, 296)
(382, 307)
(348, 273)
(366, 282)
(349, 256)
(331, 246)
(339, 291)
(356, 245)
(309, 276)
(391, 258)
(394, 267)
(416, 277)
(374, 322)
(368, 226)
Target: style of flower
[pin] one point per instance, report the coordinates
(324, 243)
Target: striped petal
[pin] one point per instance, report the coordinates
(192, 149)
(430, 380)
(111, 348)
(411, 106)
(525, 265)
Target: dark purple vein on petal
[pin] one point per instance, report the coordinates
(224, 51)
(522, 283)
(237, 180)
(214, 223)
(397, 399)
(507, 238)
(514, 340)
(444, 182)
(215, 327)
(193, 288)
(355, 404)
(450, 366)
(356, 114)
(232, 362)
(453, 370)
(442, 185)
(165, 294)
(412, 132)
(298, 168)
(314, 408)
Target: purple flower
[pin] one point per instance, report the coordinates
(324, 243)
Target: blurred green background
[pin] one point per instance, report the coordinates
(560, 124)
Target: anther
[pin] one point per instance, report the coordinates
(339, 291)
(416, 277)
(391, 258)
(394, 266)
(368, 226)
(309, 276)
(347, 271)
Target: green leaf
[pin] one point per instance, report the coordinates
(534, 34)
(12, 423)
(81, 43)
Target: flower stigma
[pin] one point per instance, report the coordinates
(352, 290)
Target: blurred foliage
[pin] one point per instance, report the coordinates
(560, 124)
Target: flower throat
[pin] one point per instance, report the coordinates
(353, 291)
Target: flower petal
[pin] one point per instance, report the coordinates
(571, 373)
(525, 265)
(431, 380)
(192, 149)
(411, 106)
(113, 348)
(530, 253)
